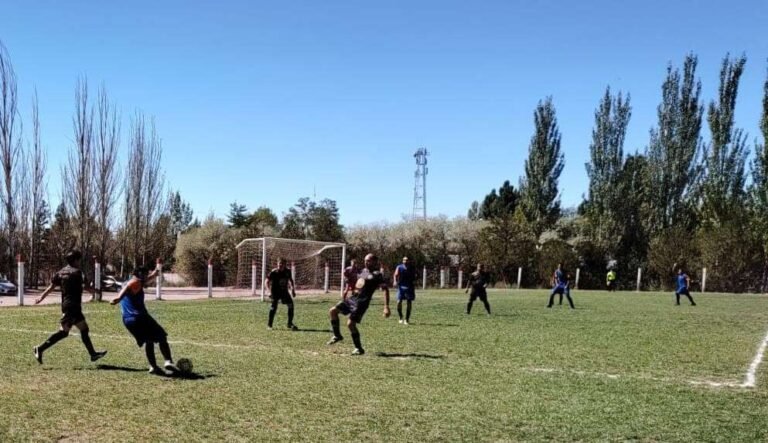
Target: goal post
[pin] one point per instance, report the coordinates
(317, 266)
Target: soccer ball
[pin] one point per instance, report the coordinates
(184, 365)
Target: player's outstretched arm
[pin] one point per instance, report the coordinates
(121, 294)
(45, 293)
(293, 287)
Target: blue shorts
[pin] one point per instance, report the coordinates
(406, 293)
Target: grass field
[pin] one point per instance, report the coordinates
(620, 367)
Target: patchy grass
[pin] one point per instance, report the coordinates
(620, 367)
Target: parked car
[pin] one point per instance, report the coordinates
(110, 283)
(6, 287)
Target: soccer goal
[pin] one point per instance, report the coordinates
(315, 266)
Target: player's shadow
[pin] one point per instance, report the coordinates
(314, 330)
(102, 367)
(409, 355)
(182, 376)
(440, 325)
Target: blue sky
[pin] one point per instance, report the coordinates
(264, 103)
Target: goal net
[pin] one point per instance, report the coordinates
(316, 266)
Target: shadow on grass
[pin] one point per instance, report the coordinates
(409, 355)
(182, 376)
(326, 331)
(441, 325)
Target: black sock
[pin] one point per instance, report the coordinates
(356, 340)
(290, 314)
(551, 299)
(52, 340)
(149, 349)
(336, 328)
(272, 312)
(165, 349)
(487, 306)
(469, 307)
(408, 312)
(87, 342)
(677, 298)
(400, 310)
(570, 301)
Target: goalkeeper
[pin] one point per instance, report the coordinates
(278, 282)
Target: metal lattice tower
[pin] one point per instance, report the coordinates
(420, 186)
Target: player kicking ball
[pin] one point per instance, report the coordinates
(278, 282)
(71, 279)
(369, 280)
(141, 325)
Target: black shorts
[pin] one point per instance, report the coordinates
(145, 329)
(478, 293)
(282, 298)
(354, 308)
(71, 317)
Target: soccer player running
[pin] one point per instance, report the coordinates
(560, 283)
(369, 280)
(278, 281)
(141, 325)
(350, 278)
(683, 284)
(478, 281)
(72, 280)
(405, 277)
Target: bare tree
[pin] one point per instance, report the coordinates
(77, 173)
(144, 184)
(10, 147)
(106, 180)
(37, 164)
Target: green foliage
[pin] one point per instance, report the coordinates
(732, 260)
(509, 242)
(539, 195)
(673, 173)
(671, 249)
(502, 204)
(313, 221)
(724, 179)
(181, 214)
(238, 215)
(212, 240)
(605, 199)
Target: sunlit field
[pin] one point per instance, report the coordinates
(622, 366)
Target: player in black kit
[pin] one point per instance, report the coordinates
(71, 279)
(478, 281)
(368, 281)
(278, 281)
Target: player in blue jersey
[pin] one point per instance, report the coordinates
(405, 279)
(369, 279)
(279, 282)
(683, 284)
(71, 279)
(141, 325)
(560, 286)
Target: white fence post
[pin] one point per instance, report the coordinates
(159, 280)
(639, 277)
(576, 283)
(703, 279)
(97, 278)
(20, 280)
(210, 278)
(424, 279)
(293, 272)
(461, 275)
(442, 278)
(253, 277)
(519, 276)
(327, 278)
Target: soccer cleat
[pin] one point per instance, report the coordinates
(293, 327)
(401, 321)
(38, 354)
(405, 322)
(169, 366)
(97, 355)
(334, 339)
(358, 351)
(155, 370)
(549, 306)
(269, 328)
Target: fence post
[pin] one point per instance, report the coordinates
(519, 276)
(461, 275)
(327, 276)
(703, 280)
(159, 280)
(442, 277)
(253, 277)
(97, 278)
(20, 280)
(576, 283)
(424, 279)
(639, 277)
(210, 278)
